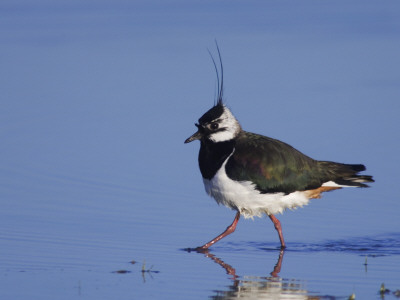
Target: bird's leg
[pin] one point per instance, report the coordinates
(278, 228)
(231, 228)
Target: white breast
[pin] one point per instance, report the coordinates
(243, 196)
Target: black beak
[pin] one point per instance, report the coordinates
(196, 136)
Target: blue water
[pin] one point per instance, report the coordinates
(97, 99)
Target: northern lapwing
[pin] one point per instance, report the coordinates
(255, 175)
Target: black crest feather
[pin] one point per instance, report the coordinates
(220, 77)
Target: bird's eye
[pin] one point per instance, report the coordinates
(214, 126)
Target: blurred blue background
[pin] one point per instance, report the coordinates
(97, 98)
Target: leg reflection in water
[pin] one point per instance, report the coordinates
(231, 270)
(256, 287)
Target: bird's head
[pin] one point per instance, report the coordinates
(217, 125)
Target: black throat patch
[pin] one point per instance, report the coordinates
(212, 156)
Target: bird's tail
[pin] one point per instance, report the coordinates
(344, 174)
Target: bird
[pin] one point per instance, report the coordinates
(254, 174)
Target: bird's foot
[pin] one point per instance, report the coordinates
(200, 249)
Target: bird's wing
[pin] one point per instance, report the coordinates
(272, 165)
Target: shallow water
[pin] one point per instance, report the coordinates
(99, 196)
(66, 269)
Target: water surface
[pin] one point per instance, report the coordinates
(97, 100)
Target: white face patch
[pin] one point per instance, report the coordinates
(230, 125)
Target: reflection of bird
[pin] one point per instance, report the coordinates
(255, 287)
(255, 174)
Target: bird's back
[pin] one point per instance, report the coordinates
(274, 166)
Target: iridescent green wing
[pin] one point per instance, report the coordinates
(272, 165)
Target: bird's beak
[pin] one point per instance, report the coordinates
(196, 136)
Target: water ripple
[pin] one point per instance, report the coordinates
(379, 245)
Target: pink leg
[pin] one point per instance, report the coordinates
(231, 228)
(278, 228)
